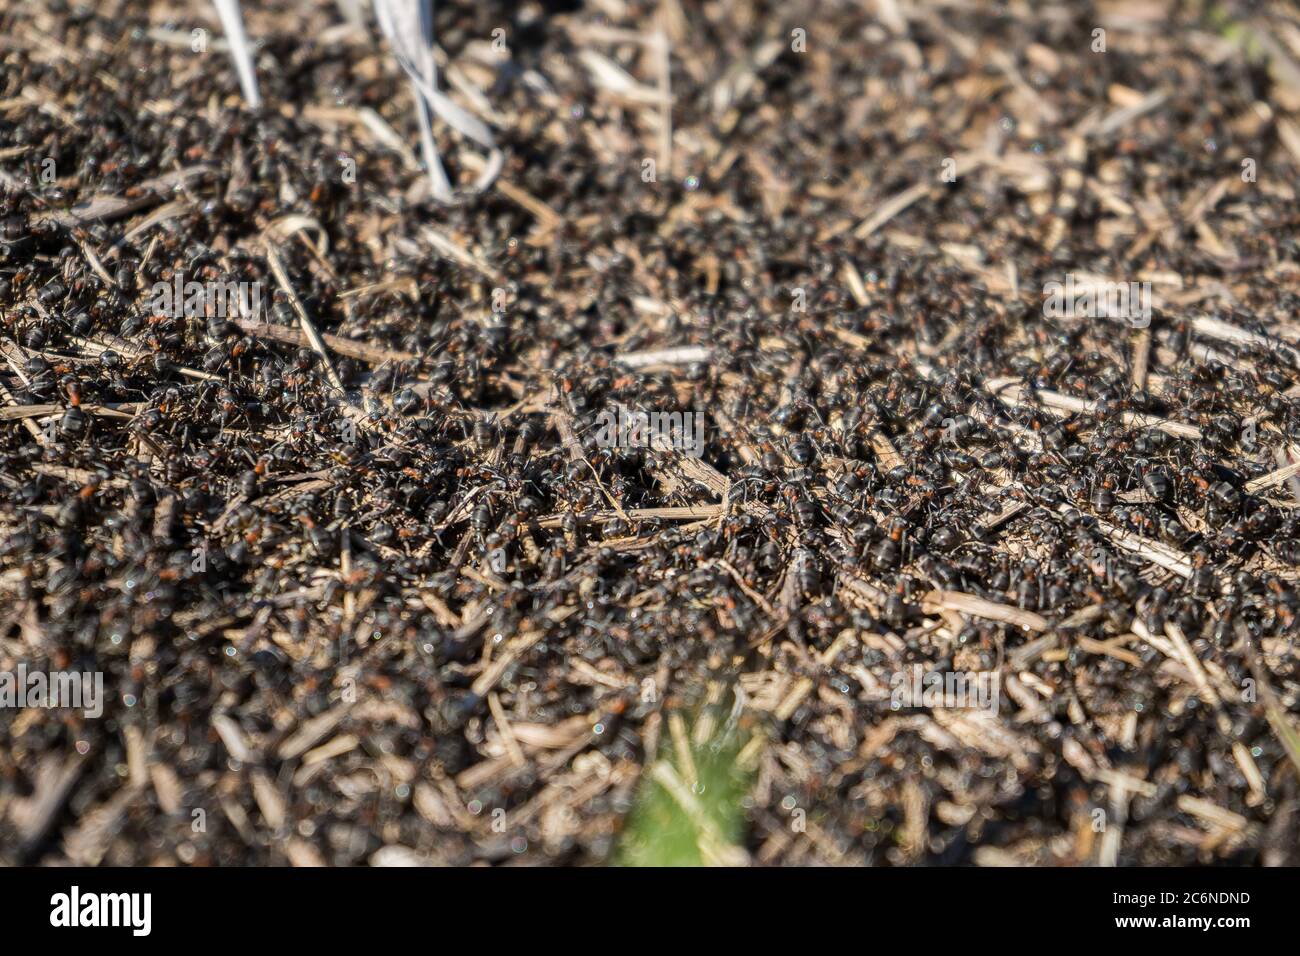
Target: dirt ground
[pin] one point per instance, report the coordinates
(987, 313)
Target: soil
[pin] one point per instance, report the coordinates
(989, 311)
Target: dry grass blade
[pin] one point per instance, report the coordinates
(408, 27)
(232, 22)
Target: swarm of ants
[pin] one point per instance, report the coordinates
(359, 574)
